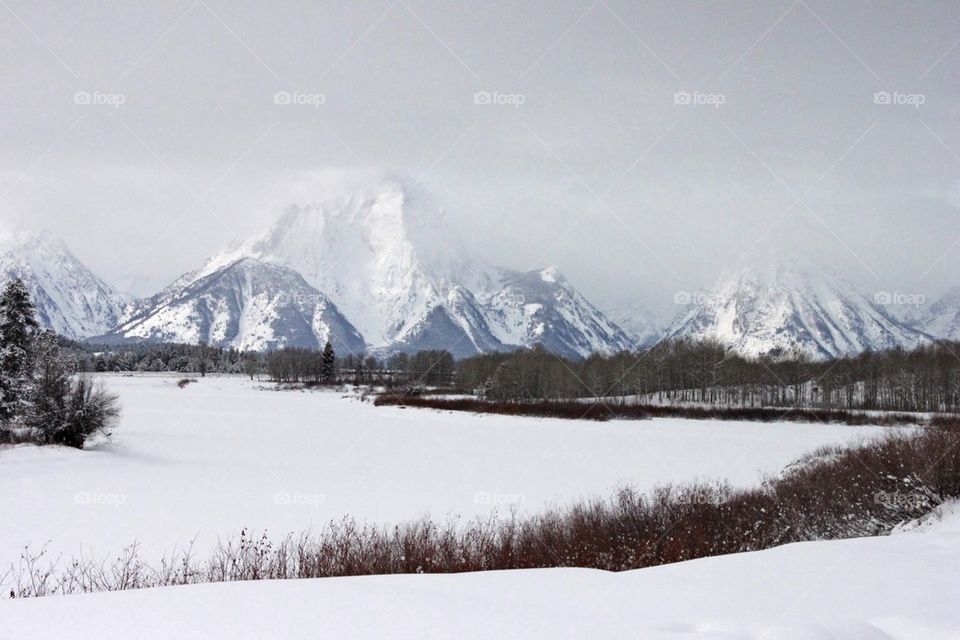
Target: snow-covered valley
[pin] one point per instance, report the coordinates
(197, 464)
(361, 264)
(426, 319)
(226, 453)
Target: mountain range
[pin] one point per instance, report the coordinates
(365, 268)
(247, 304)
(786, 307)
(369, 269)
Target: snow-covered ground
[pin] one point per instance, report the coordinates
(900, 587)
(222, 454)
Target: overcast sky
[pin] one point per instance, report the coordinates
(643, 147)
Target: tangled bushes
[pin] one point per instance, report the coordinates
(574, 410)
(835, 493)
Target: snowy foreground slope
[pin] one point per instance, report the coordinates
(900, 587)
(221, 454)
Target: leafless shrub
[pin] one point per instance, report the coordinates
(574, 410)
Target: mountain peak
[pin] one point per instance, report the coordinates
(247, 304)
(18, 235)
(68, 297)
(368, 202)
(389, 265)
(551, 274)
(785, 306)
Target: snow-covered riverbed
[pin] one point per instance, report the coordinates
(225, 453)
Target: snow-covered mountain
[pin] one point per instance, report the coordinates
(942, 319)
(403, 282)
(635, 318)
(543, 307)
(68, 297)
(364, 267)
(786, 307)
(247, 304)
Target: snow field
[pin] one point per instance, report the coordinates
(202, 462)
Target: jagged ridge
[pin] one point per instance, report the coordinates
(69, 298)
(786, 308)
(386, 268)
(942, 319)
(247, 304)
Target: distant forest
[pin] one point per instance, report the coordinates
(677, 372)
(289, 365)
(684, 371)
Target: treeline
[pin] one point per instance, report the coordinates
(684, 371)
(287, 365)
(424, 368)
(676, 372)
(303, 365)
(185, 358)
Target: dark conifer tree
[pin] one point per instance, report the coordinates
(329, 365)
(18, 325)
(47, 413)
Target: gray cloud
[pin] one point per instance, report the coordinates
(642, 147)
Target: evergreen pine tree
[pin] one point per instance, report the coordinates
(329, 364)
(18, 325)
(47, 413)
